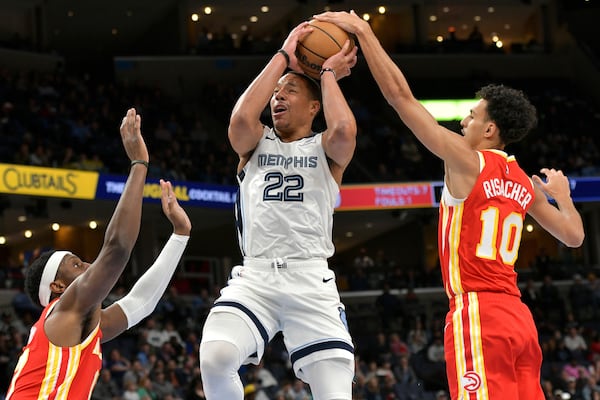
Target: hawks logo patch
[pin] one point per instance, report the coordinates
(471, 381)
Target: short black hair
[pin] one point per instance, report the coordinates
(312, 85)
(33, 276)
(510, 110)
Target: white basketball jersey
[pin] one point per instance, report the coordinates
(286, 198)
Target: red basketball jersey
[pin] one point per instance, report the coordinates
(46, 371)
(479, 237)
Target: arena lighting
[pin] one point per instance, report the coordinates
(449, 110)
(529, 228)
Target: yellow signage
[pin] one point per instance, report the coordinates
(152, 190)
(52, 182)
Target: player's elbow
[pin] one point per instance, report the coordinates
(117, 250)
(575, 239)
(238, 122)
(344, 128)
(572, 236)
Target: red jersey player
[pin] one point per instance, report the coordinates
(62, 358)
(490, 341)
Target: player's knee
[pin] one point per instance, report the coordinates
(218, 357)
(330, 379)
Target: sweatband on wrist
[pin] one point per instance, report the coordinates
(286, 55)
(49, 275)
(147, 291)
(144, 162)
(328, 70)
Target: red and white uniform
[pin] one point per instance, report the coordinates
(46, 371)
(491, 341)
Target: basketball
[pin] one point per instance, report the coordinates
(325, 40)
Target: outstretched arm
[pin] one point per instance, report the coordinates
(339, 140)
(563, 221)
(443, 143)
(91, 288)
(147, 291)
(245, 128)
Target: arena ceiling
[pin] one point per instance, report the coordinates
(73, 25)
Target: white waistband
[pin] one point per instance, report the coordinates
(282, 263)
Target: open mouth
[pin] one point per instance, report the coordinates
(279, 109)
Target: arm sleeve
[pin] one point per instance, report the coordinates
(147, 291)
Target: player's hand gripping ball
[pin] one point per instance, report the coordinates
(325, 40)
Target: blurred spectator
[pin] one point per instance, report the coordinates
(417, 338)
(195, 390)
(118, 366)
(475, 39)
(404, 372)
(162, 387)
(529, 296)
(106, 388)
(551, 302)
(358, 280)
(363, 259)
(250, 391)
(435, 350)
(372, 390)
(574, 370)
(441, 395)
(268, 383)
(130, 392)
(398, 348)
(135, 373)
(388, 307)
(298, 391)
(575, 343)
(146, 390)
(542, 262)
(594, 347)
(580, 298)
(153, 335)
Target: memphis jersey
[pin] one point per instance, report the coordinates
(46, 371)
(479, 236)
(285, 201)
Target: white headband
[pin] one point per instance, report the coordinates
(48, 276)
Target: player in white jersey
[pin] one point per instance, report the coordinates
(289, 181)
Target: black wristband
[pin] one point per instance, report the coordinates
(286, 55)
(133, 162)
(328, 70)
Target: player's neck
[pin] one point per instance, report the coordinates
(293, 135)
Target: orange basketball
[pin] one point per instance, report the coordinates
(325, 40)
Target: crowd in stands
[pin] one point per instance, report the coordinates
(400, 357)
(52, 119)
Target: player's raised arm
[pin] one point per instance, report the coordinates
(147, 291)
(245, 128)
(394, 87)
(339, 140)
(92, 287)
